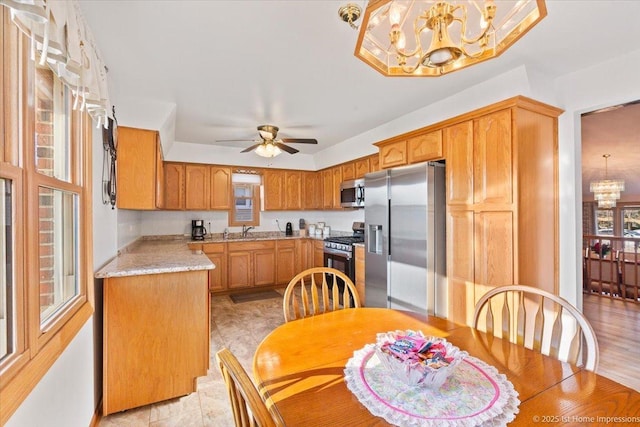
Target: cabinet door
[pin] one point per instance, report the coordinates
(459, 170)
(393, 154)
(174, 186)
(197, 187)
(285, 261)
(218, 276)
(360, 269)
(220, 197)
(312, 190)
(318, 253)
(264, 267)
(460, 265)
(327, 188)
(337, 180)
(494, 262)
(362, 167)
(493, 159)
(374, 163)
(293, 190)
(136, 169)
(425, 147)
(240, 272)
(348, 171)
(273, 190)
(159, 176)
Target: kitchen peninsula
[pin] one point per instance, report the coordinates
(155, 323)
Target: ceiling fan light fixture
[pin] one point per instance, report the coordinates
(267, 150)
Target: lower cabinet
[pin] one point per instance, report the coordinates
(251, 264)
(286, 261)
(217, 253)
(156, 337)
(360, 272)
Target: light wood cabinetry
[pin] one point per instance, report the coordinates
(220, 197)
(197, 186)
(318, 253)
(217, 253)
(293, 190)
(273, 189)
(348, 171)
(425, 147)
(139, 169)
(362, 167)
(374, 163)
(312, 190)
(501, 228)
(156, 338)
(251, 264)
(286, 261)
(360, 271)
(174, 185)
(393, 154)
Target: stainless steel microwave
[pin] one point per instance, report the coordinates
(352, 193)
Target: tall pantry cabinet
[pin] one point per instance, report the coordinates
(502, 201)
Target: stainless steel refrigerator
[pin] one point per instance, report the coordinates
(405, 257)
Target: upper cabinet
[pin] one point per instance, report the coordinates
(414, 147)
(174, 185)
(274, 191)
(220, 197)
(139, 169)
(197, 180)
(393, 154)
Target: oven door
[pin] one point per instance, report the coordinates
(340, 261)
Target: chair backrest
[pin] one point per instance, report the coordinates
(543, 328)
(249, 409)
(307, 294)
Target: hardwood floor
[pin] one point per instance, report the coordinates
(617, 326)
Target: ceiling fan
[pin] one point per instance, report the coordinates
(269, 145)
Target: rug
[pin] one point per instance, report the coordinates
(254, 296)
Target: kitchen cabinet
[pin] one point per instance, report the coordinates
(393, 154)
(348, 171)
(422, 148)
(293, 190)
(318, 253)
(374, 163)
(217, 253)
(220, 197)
(501, 229)
(139, 169)
(331, 180)
(174, 185)
(286, 261)
(156, 338)
(360, 272)
(312, 190)
(361, 167)
(251, 264)
(197, 186)
(273, 189)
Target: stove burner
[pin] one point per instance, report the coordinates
(345, 240)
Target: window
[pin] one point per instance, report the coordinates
(7, 303)
(45, 236)
(246, 200)
(604, 222)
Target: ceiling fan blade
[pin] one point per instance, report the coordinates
(300, 140)
(253, 147)
(286, 148)
(236, 140)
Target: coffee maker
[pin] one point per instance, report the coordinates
(197, 229)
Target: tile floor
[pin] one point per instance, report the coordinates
(233, 326)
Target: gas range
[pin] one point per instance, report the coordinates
(344, 244)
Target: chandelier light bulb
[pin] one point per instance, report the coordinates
(394, 14)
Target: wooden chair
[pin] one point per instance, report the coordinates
(303, 299)
(249, 410)
(540, 331)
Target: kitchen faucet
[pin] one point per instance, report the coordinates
(245, 230)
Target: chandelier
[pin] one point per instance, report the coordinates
(432, 38)
(606, 191)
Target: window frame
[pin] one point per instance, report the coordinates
(255, 200)
(38, 344)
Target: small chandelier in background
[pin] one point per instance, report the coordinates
(432, 37)
(607, 191)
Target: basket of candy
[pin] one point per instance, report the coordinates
(418, 360)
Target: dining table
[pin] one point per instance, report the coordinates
(311, 372)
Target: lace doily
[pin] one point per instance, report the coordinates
(475, 394)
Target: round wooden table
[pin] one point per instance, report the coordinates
(299, 369)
